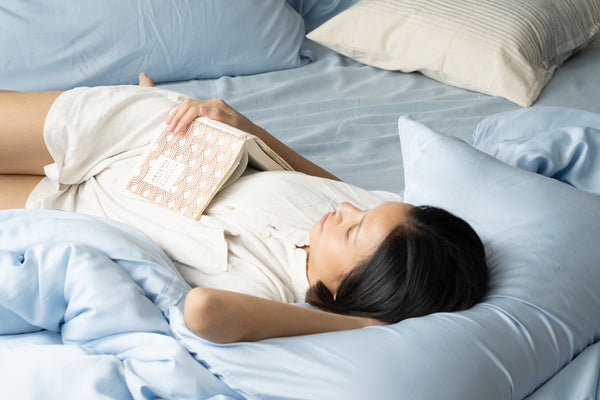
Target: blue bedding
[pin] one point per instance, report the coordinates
(84, 305)
(557, 142)
(92, 308)
(110, 326)
(343, 115)
(538, 321)
(56, 45)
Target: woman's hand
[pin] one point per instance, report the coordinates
(184, 113)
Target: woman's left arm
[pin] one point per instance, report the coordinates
(184, 113)
(223, 316)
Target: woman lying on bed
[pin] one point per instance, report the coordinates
(254, 250)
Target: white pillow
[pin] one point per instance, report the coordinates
(507, 48)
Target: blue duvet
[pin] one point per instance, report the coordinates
(84, 311)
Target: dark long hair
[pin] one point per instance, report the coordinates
(434, 262)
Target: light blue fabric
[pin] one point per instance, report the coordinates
(316, 12)
(577, 381)
(543, 239)
(55, 44)
(84, 305)
(541, 312)
(343, 115)
(558, 142)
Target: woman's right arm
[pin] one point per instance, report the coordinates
(184, 113)
(223, 316)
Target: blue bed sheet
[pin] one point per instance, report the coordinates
(343, 115)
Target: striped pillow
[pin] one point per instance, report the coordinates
(507, 48)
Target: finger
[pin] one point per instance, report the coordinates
(185, 121)
(172, 120)
(176, 114)
(171, 114)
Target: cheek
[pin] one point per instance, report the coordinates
(313, 250)
(313, 236)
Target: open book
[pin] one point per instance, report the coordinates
(183, 172)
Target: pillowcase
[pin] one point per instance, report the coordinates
(542, 237)
(562, 143)
(57, 45)
(507, 48)
(315, 12)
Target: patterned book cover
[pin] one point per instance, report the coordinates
(183, 172)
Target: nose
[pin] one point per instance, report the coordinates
(346, 210)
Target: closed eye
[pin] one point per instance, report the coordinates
(348, 232)
(358, 229)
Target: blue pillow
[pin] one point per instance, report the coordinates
(316, 12)
(60, 45)
(562, 143)
(542, 238)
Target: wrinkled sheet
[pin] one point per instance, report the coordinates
(343, 115)
(84, 305)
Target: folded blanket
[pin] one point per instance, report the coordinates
(84, 305)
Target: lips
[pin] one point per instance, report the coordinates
(323, 219)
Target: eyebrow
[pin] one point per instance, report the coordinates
(358, 228)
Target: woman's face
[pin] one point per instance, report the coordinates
(347, 236)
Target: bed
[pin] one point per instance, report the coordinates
(520, 164)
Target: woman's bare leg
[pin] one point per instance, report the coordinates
(22, 146)
(15, 189)
(145, 80)
(23, 152)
